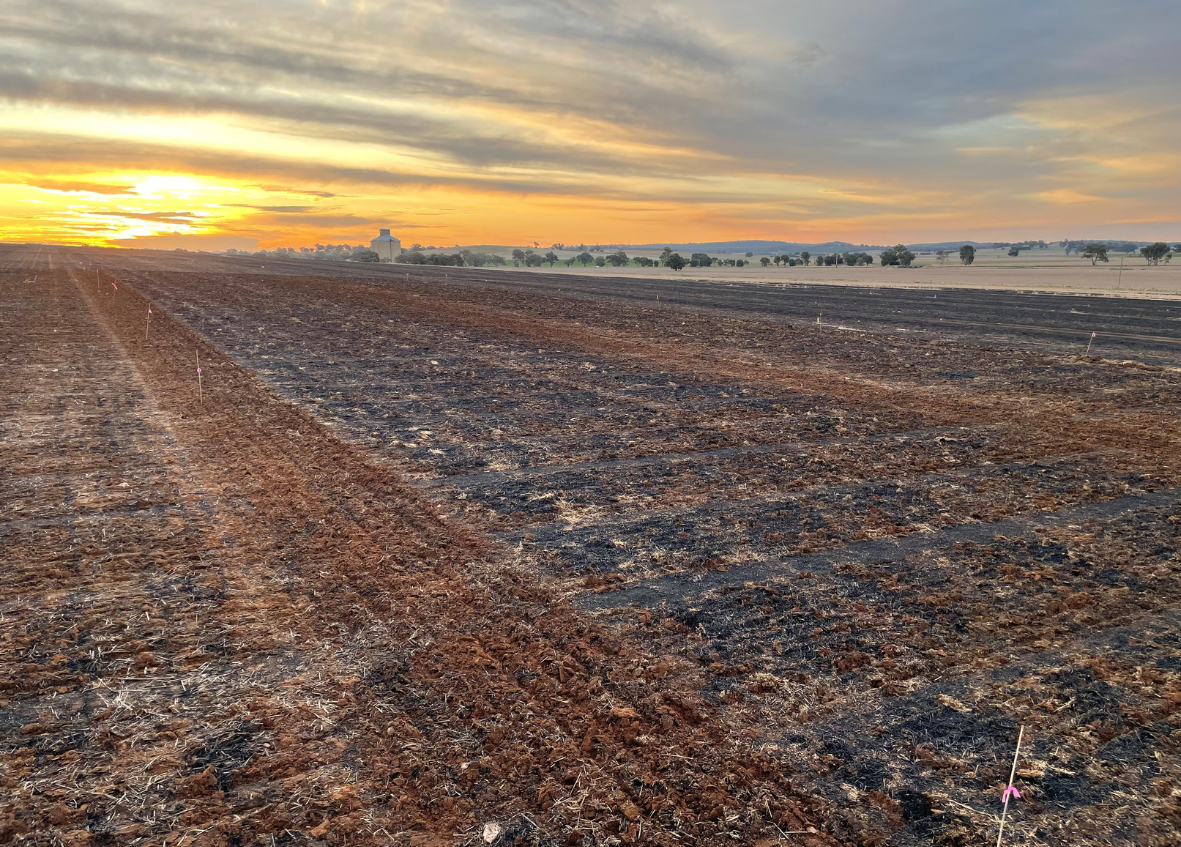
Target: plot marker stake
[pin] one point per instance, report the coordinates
(200, 390)
(1090, 341)
(148, 325)
(1010, 791)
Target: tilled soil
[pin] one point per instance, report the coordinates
(224, 625)
(430, 553)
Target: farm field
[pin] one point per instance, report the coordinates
(593, 559)
(1047, 270)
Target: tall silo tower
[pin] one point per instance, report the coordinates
(386, 246)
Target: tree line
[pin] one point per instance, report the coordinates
(1154, 254)
(897, 256)
(322, 252)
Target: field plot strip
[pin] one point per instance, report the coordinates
(883, 550)
(692, 588)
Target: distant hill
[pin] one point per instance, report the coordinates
(947, 245)
(772, 247)
(754, 246)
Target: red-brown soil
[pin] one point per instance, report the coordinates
(431, 553)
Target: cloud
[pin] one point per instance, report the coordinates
(1066, 196)
(751, 110)
(159, 217)
(295, 210)
(808, 54)
(322, 221)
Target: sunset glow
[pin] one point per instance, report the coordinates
(292, 122)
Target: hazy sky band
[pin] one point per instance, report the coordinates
(567, 120)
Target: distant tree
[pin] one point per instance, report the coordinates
(668, 251)
(701, 260)
(967, 254)
(1014, 251)
(600, 262)
(364, 254)
(585, 258)
(777, 260)
(749, 254)
(898, 255)
(740, 262)
(806, 256)
(551, 257)
(820, 257)
(474, 260)
(1153, 253)
(518, 255)
(765, 261)
(617, 259)
(536, 245)
(675, 261)
(1095, 252)
(941, 256)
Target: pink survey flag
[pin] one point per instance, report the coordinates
(1011, 791)
(1092, 335)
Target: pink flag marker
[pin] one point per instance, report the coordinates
(1010, 792)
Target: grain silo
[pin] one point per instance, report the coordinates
(386, 246)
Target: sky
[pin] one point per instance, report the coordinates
(230, 123)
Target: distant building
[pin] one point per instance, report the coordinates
(386, 246)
